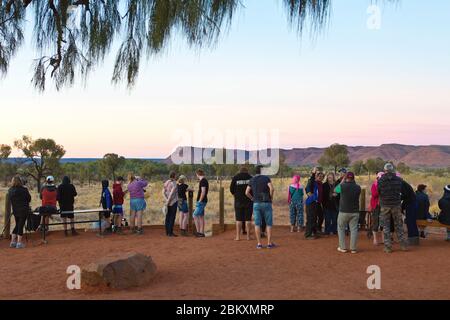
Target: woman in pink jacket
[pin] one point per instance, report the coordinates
(375, 210)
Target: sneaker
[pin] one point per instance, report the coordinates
(140, 232)
(259, 246)
(388, 250)
(20, 245)
(271, 246)
(353, 251)
(422, 234)
(341, 250)
(201, 235)
(74, 232)
(13, 245)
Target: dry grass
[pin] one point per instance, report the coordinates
(89, 197)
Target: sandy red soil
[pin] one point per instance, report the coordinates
(221, 268)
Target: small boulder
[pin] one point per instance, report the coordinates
(120, 271)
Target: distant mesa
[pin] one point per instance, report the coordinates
(433, 156)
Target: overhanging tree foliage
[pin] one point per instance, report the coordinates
(71, 37)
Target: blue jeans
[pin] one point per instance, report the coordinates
(331, 221)
(263, 210)
(296, 213)
(200, 209)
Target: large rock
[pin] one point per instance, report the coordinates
(120, 271)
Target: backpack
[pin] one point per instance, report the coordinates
(33, 222)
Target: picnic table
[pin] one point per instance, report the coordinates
(43, 226)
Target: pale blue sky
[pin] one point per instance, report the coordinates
(389, 85)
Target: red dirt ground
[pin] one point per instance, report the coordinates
(221, 268)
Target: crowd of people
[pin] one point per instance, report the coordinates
(331, 205)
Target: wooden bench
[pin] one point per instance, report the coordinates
(432, 223)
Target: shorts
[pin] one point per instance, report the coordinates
(263, 210)
(200, 209)
(48, 210)
(118, 209)
(106, 214)
(67, 215)
(243, 212)
(183, 206)
(138, 204)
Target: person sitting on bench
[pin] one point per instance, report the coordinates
(444, 205)
(423, 206)
(48, 196)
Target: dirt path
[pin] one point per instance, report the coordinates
(221, 268)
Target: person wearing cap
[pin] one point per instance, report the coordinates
(183, 188)
(390, 194)
(342, 172)
(242, 204)
(423, 206)
(349, 211)
(49, 196)
(444, 205)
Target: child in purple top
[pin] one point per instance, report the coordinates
(136, 187)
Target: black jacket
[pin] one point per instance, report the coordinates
(408, 195)
(20, 200)
(349, 202)
(423, 205)
(329, 202)
(390, 190)
(444, 205)
(66, 195)
(237, 188)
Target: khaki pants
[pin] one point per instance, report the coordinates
(385, 216)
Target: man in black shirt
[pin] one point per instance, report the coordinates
(260, 191)
(202, 200)
(242, 204)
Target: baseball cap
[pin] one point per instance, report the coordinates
(342, 170)
(389, 167)
(350, 175)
